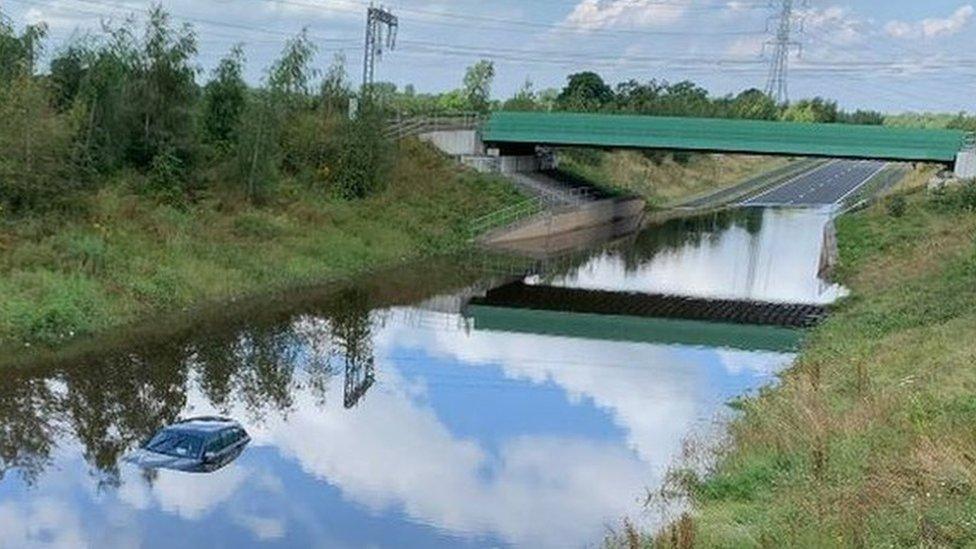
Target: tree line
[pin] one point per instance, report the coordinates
(588, 92)
(126, 103)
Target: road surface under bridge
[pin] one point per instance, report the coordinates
(517, 132)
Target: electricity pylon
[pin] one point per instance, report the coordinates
(788, 19)
(377, 20)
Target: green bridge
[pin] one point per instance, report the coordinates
(515, 131)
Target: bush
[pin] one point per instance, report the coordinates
(896, 205)
(967, 196)
(962, 197)
(167, 175)
(365, 159)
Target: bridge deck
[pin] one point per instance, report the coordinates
(720, 135)
(521, 296)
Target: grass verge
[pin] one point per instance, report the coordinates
(127, 257)
(869, 441)
(663, 179)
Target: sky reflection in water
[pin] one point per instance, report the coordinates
(469, 436)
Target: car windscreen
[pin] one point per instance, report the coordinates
(176, 444)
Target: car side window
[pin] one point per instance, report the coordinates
(228, 437)
(214, 445)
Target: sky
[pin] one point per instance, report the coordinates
(889, 55)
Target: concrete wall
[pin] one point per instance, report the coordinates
(506, 165)
(966, 165)
(455, 142)
(518, 164)
(569, 219)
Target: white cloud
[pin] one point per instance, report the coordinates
(837, 23)
(41, 523)
(263, 528)
(599, 14)
(190, 496)
(746, 47)
(735, 265)
(932, 27)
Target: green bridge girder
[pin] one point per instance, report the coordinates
(627, 329)
(723, 135)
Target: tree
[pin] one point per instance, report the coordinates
(524, 99)
(753, 104)
(336, 90)
(69, 69)
(18, 54)
(632, 96)
(585, 91)
(364, 157)
(291, 75)
(811, 110)
(225, 98)
(962, 121)
(477, 85)
(862, 117)
(165, 91)
(35, 165)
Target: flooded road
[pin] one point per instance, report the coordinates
(410, 417)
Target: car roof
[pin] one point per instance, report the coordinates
(203, 425)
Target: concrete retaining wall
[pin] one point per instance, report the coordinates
(455, 142)
(569, 219)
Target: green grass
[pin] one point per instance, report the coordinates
(663, 179)
(128, 257)
(869, 441)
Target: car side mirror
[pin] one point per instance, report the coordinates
(209, 456)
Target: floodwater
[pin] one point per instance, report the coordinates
(390, 413)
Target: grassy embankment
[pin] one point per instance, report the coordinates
(125, 256)
(664, 179)
(869, 441)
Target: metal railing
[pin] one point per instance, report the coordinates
(507, 216)
(544, 204)
(401, 127)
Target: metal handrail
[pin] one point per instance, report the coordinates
(542, 204)
(400, 128)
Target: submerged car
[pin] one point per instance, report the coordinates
(196, 445)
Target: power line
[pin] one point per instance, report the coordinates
(458, 20)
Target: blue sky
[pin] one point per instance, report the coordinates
(892, 55)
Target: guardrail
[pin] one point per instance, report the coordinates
(541, 204)
(402, 127)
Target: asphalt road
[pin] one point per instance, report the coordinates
(826, 185)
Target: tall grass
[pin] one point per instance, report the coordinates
(129, 255)
(869, 440)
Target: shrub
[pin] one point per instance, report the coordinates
(896, 205)
(167, 175)
(365, 158)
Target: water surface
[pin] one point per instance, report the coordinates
(425, 424)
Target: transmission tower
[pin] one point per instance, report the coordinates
(787, 21)
(378, 20)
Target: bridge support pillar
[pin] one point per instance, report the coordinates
(966, 164)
